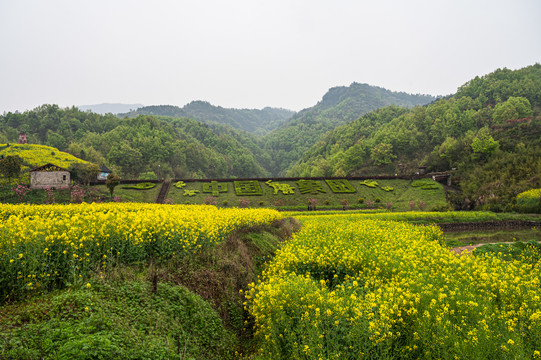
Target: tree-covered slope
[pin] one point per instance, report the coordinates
(33, 155)
(107, 108)
(489, 131)
(338, 106)
(251, 120)
(145, 144)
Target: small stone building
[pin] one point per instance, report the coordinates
(49, 176)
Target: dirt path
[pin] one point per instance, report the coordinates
(470, 248)
(163, 192)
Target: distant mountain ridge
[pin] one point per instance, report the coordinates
(338, 106)
(109, 108)
(254, 121)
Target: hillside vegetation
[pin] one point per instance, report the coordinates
(338, 106)
(146, 144)
(38, 155)
(488, 135)
(489, 131)
(251, 120)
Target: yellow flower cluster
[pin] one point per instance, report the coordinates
(52, 245)
(530, 194)
(34, 155)
(425, 216)
(348, 287)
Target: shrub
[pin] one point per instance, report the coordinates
(426, 184)
(370, 183)
(279, 202)
(225, 203)
(140, 186)
(387, 188)
(378, 200)
(361, 200)
(77, 194)
(149, 175)
(327, 202)
(312, 203)
(421, 205)
(529, 201)
(412, 205)
(21, 191)
(180, 184)
(389, 205)
(369, 204)
(211, 200)
(261, 203)
(244, 203)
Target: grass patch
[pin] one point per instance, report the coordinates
(188, 307)
(124, 320)
(131, 194)
(463, 238)
(529, 252)
(140, 186)
(400, 197)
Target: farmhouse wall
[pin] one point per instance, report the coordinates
(49, 179)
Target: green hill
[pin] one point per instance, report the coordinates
(37, 155)
(338, 106)
(251, 120)
(489, 131)
(168, 147)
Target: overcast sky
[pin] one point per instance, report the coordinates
(252, 53)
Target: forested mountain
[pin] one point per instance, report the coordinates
(490, 131)
(338, 106)
(488, 134)
(177, 147)
(107, 108)
(251, 120)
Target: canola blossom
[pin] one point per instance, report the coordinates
(530, 194)
(412, 216)
(51, 246)
(346, 287)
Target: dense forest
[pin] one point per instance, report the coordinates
(488, 135)
(145, 145)
(339, 105)
(254, 121)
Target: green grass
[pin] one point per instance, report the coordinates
(400, 197)
(35, 196)
(364, 197)
(463, 238)
(422, 217)
(184, 308)
(124, 320)
(131, 195)
(529, 252)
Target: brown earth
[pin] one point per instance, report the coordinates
(469, 248)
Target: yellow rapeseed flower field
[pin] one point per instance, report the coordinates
(347, 287)
(50, 246)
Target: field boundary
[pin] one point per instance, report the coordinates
(487, 225)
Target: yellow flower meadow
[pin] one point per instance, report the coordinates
(55, 244)
(349, 287)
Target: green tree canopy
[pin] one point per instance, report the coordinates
(512, 108)
(382, 154)
(483, 145)
(10, 167)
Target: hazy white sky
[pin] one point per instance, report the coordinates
(252, 53)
